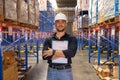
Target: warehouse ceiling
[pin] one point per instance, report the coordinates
(67, 7)
(66, 3)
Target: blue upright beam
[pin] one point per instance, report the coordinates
(89, 46)
(26, 51)
(1, 67)
(1, 61)
(37, 49)
(99, 51)
(113, 40)
(119, 54)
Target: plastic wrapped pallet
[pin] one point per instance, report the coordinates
(11, 9)
(36, 13)
(85, 21)
(79, 22)
(76, 10)
(90, 12)
(22, 11)
(31, 18)
(1, 11)
(74, 28)
(85, 4)
(79, 6)
(110, 9)
(100, 11)
(94, 11)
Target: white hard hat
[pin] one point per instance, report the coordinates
(60, 16)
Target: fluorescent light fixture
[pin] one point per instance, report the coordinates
(54, 4)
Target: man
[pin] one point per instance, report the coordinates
(58, 50)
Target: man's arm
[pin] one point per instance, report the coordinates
(72, 48)
(47, 51)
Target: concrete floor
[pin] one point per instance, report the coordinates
(82, 70)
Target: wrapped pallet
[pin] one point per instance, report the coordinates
(74, 28)
(11, 9)
(100, 11)
(36, 13)
(94, 11)
(79, 22)
(85, 21)
(110, 9)
(90, 12)
(1, 11)
(79, 6)
(85, 5)
(31, 16)
(22, 11)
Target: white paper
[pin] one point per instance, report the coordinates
(60, 45)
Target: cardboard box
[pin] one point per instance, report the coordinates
(31, 4)
(115, 71)
(8, 57)
(22, 11)
(11, 9)
(36, 13)
(10, 73)
(1, 11)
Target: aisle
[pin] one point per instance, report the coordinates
(82, 70)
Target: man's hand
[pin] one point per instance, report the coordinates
(47, 53)
(55, 57)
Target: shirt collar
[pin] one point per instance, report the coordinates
(54, 35)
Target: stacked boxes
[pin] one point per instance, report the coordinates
(11, 9)
(31, 9)
(100, 10)
(85, 5)
(85, 21)
(111, 9)
(79, 22)
(10, 70)
(22, 11)
(90, 12)
(1, 11)
(37, 13)
(75, 25)
(115, 72)
(94, 11)
(11, 73)
(106, 10)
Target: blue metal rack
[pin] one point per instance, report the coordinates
(119, 52)
(1, 67)
(104, 42)
(47, 19)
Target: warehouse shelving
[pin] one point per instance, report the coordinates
(14, 42)
(46, 22)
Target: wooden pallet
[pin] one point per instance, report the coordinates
(1, 18)
(25, 25)
(11, 22)
(112, 20)
(22, 73)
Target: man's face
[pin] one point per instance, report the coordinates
(60, 25)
